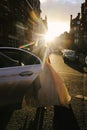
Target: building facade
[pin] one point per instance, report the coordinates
(19, 19)
(78, 29)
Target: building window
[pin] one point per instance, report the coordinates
(74, 28)
(13, 41)
(78, 22)
(76, 41)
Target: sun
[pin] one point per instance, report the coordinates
(55, 29)
(49, 36)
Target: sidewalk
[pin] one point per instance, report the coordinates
(53, 118)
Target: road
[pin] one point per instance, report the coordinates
(76, 82)
(57, 117)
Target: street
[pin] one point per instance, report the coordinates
(57, 117)
(76, 81)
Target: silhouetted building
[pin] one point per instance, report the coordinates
(84, 24)
(75, 31)
(78, 29)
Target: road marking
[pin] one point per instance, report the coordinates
(81, 97)
(68, 73)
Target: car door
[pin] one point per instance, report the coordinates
(18, 69)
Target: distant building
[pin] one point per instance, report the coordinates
(78, 29)
(75, 30)
(84, 23)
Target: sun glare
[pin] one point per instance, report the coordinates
(55, 29)
(49, 36)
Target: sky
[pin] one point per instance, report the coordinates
(58, 14)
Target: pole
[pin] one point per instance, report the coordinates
(29, 5)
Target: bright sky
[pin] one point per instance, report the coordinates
(58, 14)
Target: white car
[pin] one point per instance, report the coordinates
(18, 69)
(69, 55)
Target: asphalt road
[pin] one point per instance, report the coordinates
(54, 117)
(76, 82)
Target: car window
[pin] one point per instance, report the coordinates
(28, 59)
(6, 61)
(9, 58)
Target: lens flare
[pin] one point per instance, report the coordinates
(26, 45)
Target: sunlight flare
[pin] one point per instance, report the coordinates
(49, 37)
(57, 28)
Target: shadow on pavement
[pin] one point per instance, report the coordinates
(64, 119)
(76, 66)
(4, 118)
(6, 113)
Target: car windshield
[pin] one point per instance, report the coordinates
(69, 53)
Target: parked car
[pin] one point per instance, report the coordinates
(82, 59)
(85, 66)
(18, 69)
(69, 55)
(86, 60)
